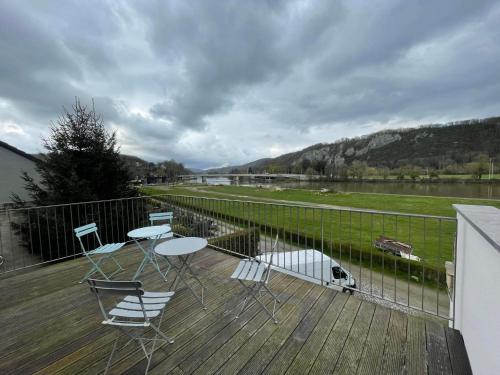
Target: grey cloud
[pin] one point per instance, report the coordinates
(224, 47)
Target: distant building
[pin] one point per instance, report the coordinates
(12, 163)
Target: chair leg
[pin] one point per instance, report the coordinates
(247, 291)
(243, 304)
(108, 365)
(164, 337)
(271, 314)
(169, 266)
(95, 268)
(149, 362)
(120, 268)
(145, 350)
(271, 293)
(252, 292)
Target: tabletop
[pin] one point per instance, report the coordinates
(181, 246)
(151, 231)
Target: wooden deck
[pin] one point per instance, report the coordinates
(50, 324)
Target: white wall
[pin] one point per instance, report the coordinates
(477, 298)
(11, 167)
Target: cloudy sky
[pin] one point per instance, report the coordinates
(212, 83)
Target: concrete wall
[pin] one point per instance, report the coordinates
(477, 298)
(11, 167)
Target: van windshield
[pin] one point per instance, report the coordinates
(338, 273)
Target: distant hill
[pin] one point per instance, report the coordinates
(255, 165)
(142, 169)
(431, 146)
(195, 170)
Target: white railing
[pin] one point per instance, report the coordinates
(326, 238)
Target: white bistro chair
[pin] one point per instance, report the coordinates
(165, 217)
(253, 275)
(97, 256)
(133, 315)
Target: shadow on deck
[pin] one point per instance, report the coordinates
(50, 324)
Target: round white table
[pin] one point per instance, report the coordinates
(152, 233)
(184, 249)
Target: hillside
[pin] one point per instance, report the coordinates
(431, 146)
(142, 169)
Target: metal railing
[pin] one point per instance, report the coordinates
(342, 238)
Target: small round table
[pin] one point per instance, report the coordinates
(153, 233)
(184, 249)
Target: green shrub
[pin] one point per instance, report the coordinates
(244, 242)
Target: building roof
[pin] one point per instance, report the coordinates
(17, 151)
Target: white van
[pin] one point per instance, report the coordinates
(312, 266)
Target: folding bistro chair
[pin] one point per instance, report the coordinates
(162, 216)
(99, 255)
(253, 275)
(133, 314)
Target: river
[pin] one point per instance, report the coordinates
(443, 189)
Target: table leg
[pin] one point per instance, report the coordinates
(180, 277)
(143, 263)
(149, 256)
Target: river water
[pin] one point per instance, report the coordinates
(443, 189)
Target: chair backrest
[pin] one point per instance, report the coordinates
(84, 231)
(116, 288)
(161, 216)
(273, 250)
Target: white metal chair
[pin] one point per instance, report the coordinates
(133, 314)
(99, 255)
(162, 216)
(253, 275)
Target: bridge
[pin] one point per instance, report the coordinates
(250, 176)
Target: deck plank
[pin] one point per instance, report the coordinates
(394, 358)
(371, 359)
(228, 340)
(438, 363)
(458, 355)
(416, 357)
(288, 349)
(327, 358)
(238, 360)
(220, 323)
(304, 359)
(257, 363)
(349, 358)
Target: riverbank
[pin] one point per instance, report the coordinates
(414, 204)
(445, 188)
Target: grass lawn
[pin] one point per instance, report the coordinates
(344, 234)
(485, 176)
(495, 176)
(424, 205)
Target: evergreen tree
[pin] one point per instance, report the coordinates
(82, 162)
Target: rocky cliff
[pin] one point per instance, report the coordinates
(426, 146)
